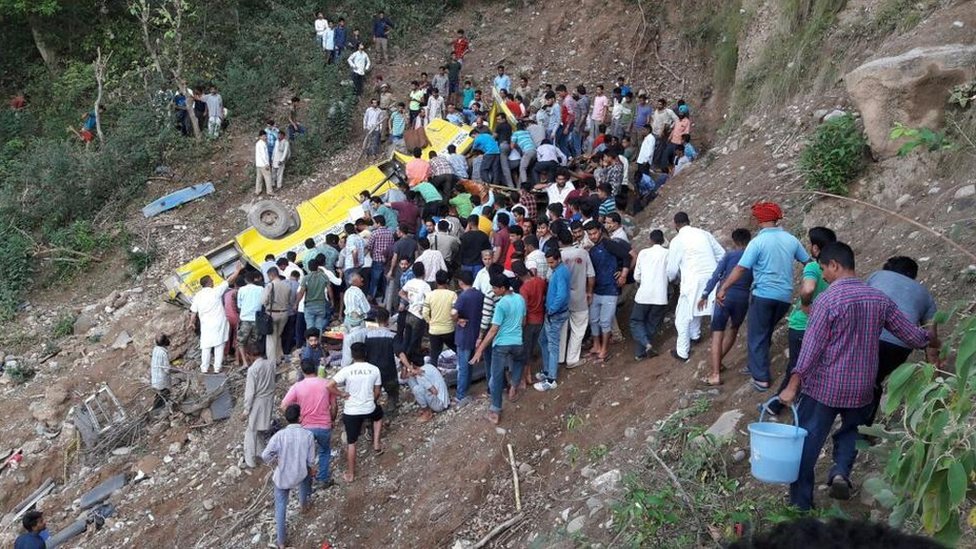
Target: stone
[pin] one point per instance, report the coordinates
(588, 472)
(122, 340)
(819, 114)
(34, 447)
(723, 429)
(147, 464)
(739, 455)
(782, 166)
(964, 192)
(575, 525)
(122, 451)
(208, 504)
(594, 504)
(175, 448)
(83, 323)
(836, 113)
(232, 472)
(902, 200)
(630, 432)
(525, 469)
(909, 88)
(500, 430)
(607, 482)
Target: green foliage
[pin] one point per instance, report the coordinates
(573, 422)
(65, 326)
(930, 455)
(919, 138)
(963, 94)
(835, 156)
(76, 246)
(598, 452)
(15, 257)
(20, 373)
(715, 28)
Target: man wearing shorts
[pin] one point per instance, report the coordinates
(611, 263)
(727, 316)
(362, 389)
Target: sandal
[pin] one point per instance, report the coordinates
(708, 382)
(377, 452)
(759, 387)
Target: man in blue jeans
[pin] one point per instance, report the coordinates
(505, 338)
(467, 315)
(770, 256)
(319, 409)
(314, 288)
(835, 373)
(557, 313)
(291, 451)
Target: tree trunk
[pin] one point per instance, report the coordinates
(47, 54)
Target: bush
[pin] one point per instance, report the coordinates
(65, 326)
(834, 156)
(15, 257)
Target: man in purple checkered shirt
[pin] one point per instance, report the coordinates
(836, 371)
(380, 248)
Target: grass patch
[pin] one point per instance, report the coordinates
(715, 29)
(64, 326)
(792, 57)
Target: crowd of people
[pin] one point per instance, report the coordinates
(514, 261)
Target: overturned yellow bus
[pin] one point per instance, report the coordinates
(315, 218)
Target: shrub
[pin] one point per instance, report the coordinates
(65, 326)
(15, 257)
(928, 451)
(834, 156)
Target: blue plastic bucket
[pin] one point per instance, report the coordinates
(775, 449)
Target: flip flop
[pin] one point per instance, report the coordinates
(759, 387)
(706, 382)
(377, 452)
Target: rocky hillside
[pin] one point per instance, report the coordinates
(760, 76)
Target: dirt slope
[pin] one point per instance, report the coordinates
(450, 479)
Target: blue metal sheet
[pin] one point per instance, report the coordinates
(177, 198)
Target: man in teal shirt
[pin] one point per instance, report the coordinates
(505, 338)
(770, 256)
(812, 285)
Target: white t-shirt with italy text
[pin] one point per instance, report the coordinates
(359, 379)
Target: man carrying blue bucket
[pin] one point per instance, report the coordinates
(837, 367)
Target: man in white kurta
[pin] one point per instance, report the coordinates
(208, 307)
(692, 255)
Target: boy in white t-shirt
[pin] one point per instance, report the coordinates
(362, 389)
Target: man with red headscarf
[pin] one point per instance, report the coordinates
(770, 256)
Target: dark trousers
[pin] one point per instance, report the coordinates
(300, 328)
(818, 418)
(644, 323)
(413, 332)
(288, 334)
(890, 357)
(357, 83)
(392, 389)
(764, 315)
(444, 183)
(547, 167)
(437, 343)
(795, 338)
(491, 169)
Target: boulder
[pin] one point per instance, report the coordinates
(910, 88)
(83, 323)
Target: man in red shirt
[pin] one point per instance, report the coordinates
(500, 240)
(418, 169)
(319, 409)
(533, 291)
(461, 45)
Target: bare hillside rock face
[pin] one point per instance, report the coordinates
(909, 88)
